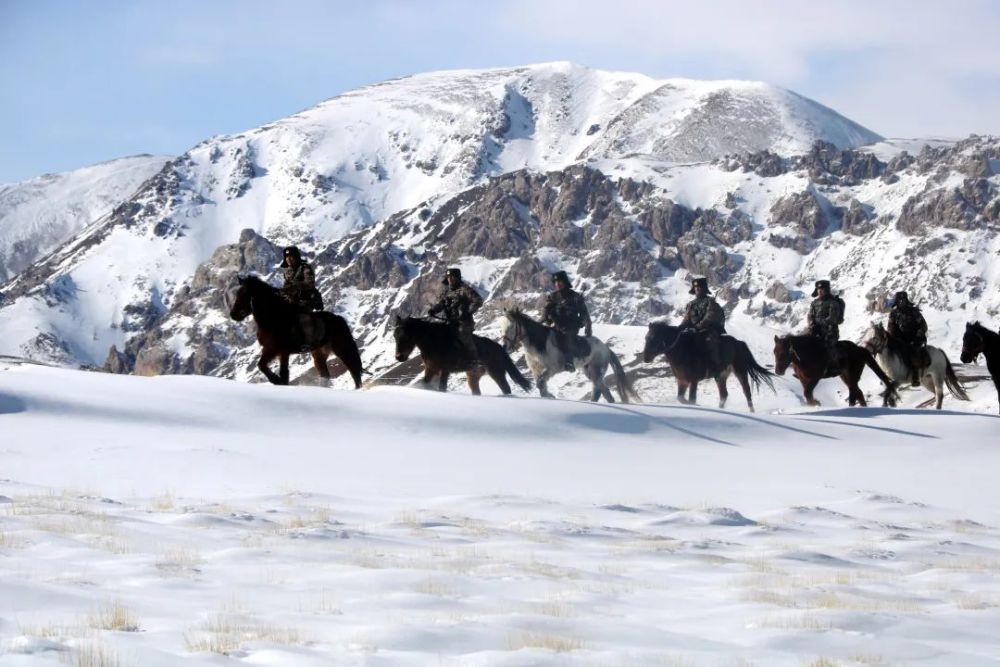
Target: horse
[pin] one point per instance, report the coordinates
(442, 355)
(545, 359)
(807, 356)
(893, 356)
(283, 330)
(980, 340)
(685, 352)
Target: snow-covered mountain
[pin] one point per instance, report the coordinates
(38, 215)
(630, 183)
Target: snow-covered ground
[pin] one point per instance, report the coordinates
(192, 520)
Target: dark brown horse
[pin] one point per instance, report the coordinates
(443, 355)
(980, 340)
(686, 354)
(808, 358)
(282, 330)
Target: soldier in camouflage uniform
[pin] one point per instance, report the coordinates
(908, 325)
(826, 314)
(459, 301)
(300, 282)
(705, 315)
(565, 311)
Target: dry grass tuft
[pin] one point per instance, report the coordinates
(115, 616)
(544, 641)
(179, 561)
(226, 633)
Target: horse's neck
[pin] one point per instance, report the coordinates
(535, 333)
(991, 345)
(269, 307)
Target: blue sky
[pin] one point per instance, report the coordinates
(84, 82)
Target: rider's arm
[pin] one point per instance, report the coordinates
(437, 307)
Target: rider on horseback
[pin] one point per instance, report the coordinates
(459, 301)
(300, 282)
(705, 315)
(300, 291)
(908, 326)
(565, 311)
(826, 314)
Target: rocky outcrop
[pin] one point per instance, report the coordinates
(970, 206)
(804, 212)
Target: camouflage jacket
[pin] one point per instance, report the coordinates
(458, 304)
(704, 314)
(826, 314)
(907, 323)
(300, 278)
(566, 311)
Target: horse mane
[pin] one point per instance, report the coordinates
(536, 332)
(661, 327)
(267, 294)
(989, 334)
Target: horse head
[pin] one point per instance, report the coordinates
(240, 299)
(511, 330)
(877, 338)
(405, 341)
(972, 343)
(656, 342)
(782, 354)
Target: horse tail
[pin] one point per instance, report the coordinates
(890, 396)
(755, 371)
(951, 380)
(514, 372)
(625, 388)
(345, 347)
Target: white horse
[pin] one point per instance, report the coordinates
(545, 359)
(893, 359)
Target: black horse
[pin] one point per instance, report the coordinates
(980, 340)
(283, 330)
(807, 356)
(685, 352)
(443, 354)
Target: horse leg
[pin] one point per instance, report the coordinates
(266, 357)
(429, 373)
(938, 380)
(681, 390)
(720, 382)
(472, 377)
(745, 383)
(443, 381)
(693, 393)
(542, 381)
(319, 361)
(808, 385)
(283, 368)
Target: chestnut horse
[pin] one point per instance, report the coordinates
(283, 330)
(808, 358)
(686, 354)
(443, 355)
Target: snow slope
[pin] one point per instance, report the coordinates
(40, 214)
(191, 520)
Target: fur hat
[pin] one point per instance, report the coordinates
(290, 251)
(699, 281)
(821, 283)
(452, 272)
(561, 275)
(900, 297)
